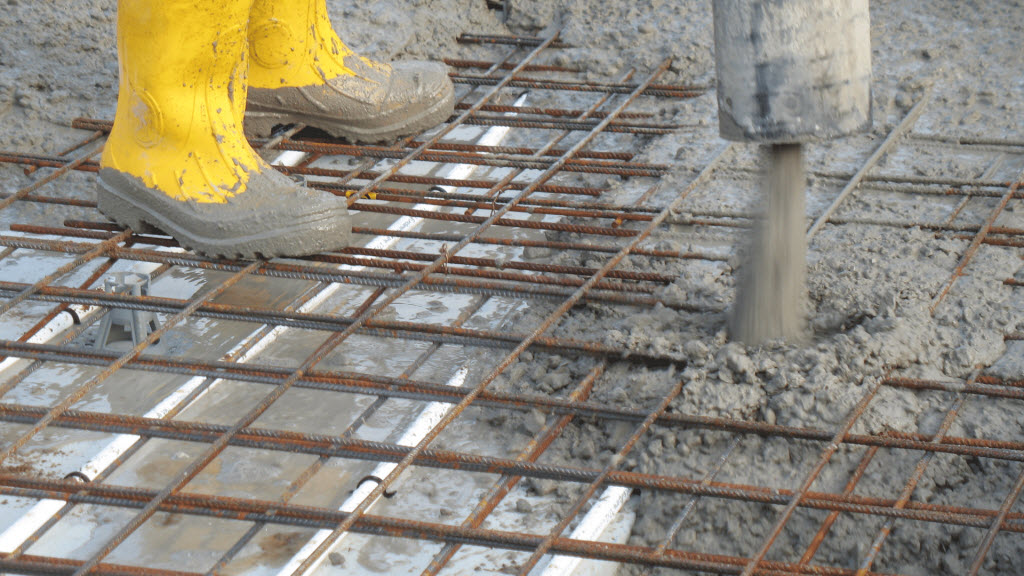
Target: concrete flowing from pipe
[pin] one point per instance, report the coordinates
(769, 302)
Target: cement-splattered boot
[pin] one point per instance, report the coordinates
(176, 158)
(301, 72)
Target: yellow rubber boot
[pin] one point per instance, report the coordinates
(177, 159)
(292, 43)
(301, 72)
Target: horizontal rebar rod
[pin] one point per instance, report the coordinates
(460, 63)
(518, 41)
(434, 236)
(301, 516)
(660, 90)
(516, 150)
(356, 277)
(326, 322)
(47, 565)
(554, 112)
(424, 391)
(361, 174)
(350, 448)
(544, 124)
(451, 154)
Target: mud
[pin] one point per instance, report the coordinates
(869, 287)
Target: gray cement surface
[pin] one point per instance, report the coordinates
(870, 286)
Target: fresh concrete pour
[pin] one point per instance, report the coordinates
(788, 72)
(869, 286)
(771, 298)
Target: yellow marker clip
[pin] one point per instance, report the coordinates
(350, 193)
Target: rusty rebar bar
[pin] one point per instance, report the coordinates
(677, 525)
(554, 112)
(976, 243)
(361, 172)
(596, 483)
(522, 150)
(460, 63)
(830, 520)
(506, 284)
(894, 136)
(911, 484)
(533, 450)
(307, 474)
(350, 448)
(837, 440)
(547, 323)
(64, 166)
(182, 405)
(48, 565)
(124, 359)
(997, 524)
(425, 391)
(546, 124)
(86, 255)
(507, 40)
(73, 148)
(435, 151)
(532, 162)
(306, 517)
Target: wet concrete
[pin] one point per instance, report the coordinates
(771, 298)
(869, 288)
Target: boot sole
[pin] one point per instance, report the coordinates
(261, 123)
(320, 233)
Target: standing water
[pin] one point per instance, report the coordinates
(769, 302)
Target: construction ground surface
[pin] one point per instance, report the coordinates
(523, 365)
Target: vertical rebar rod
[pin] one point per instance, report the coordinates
(596, 484)
(691, 503)
(997, 524)
(976, 243)
(911, 485)
(906, 124)
(537, 445)
(830, 520)
(554, 317)
(823, 460)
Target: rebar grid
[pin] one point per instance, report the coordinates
(595, 227)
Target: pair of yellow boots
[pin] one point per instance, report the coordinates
(194, 72)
